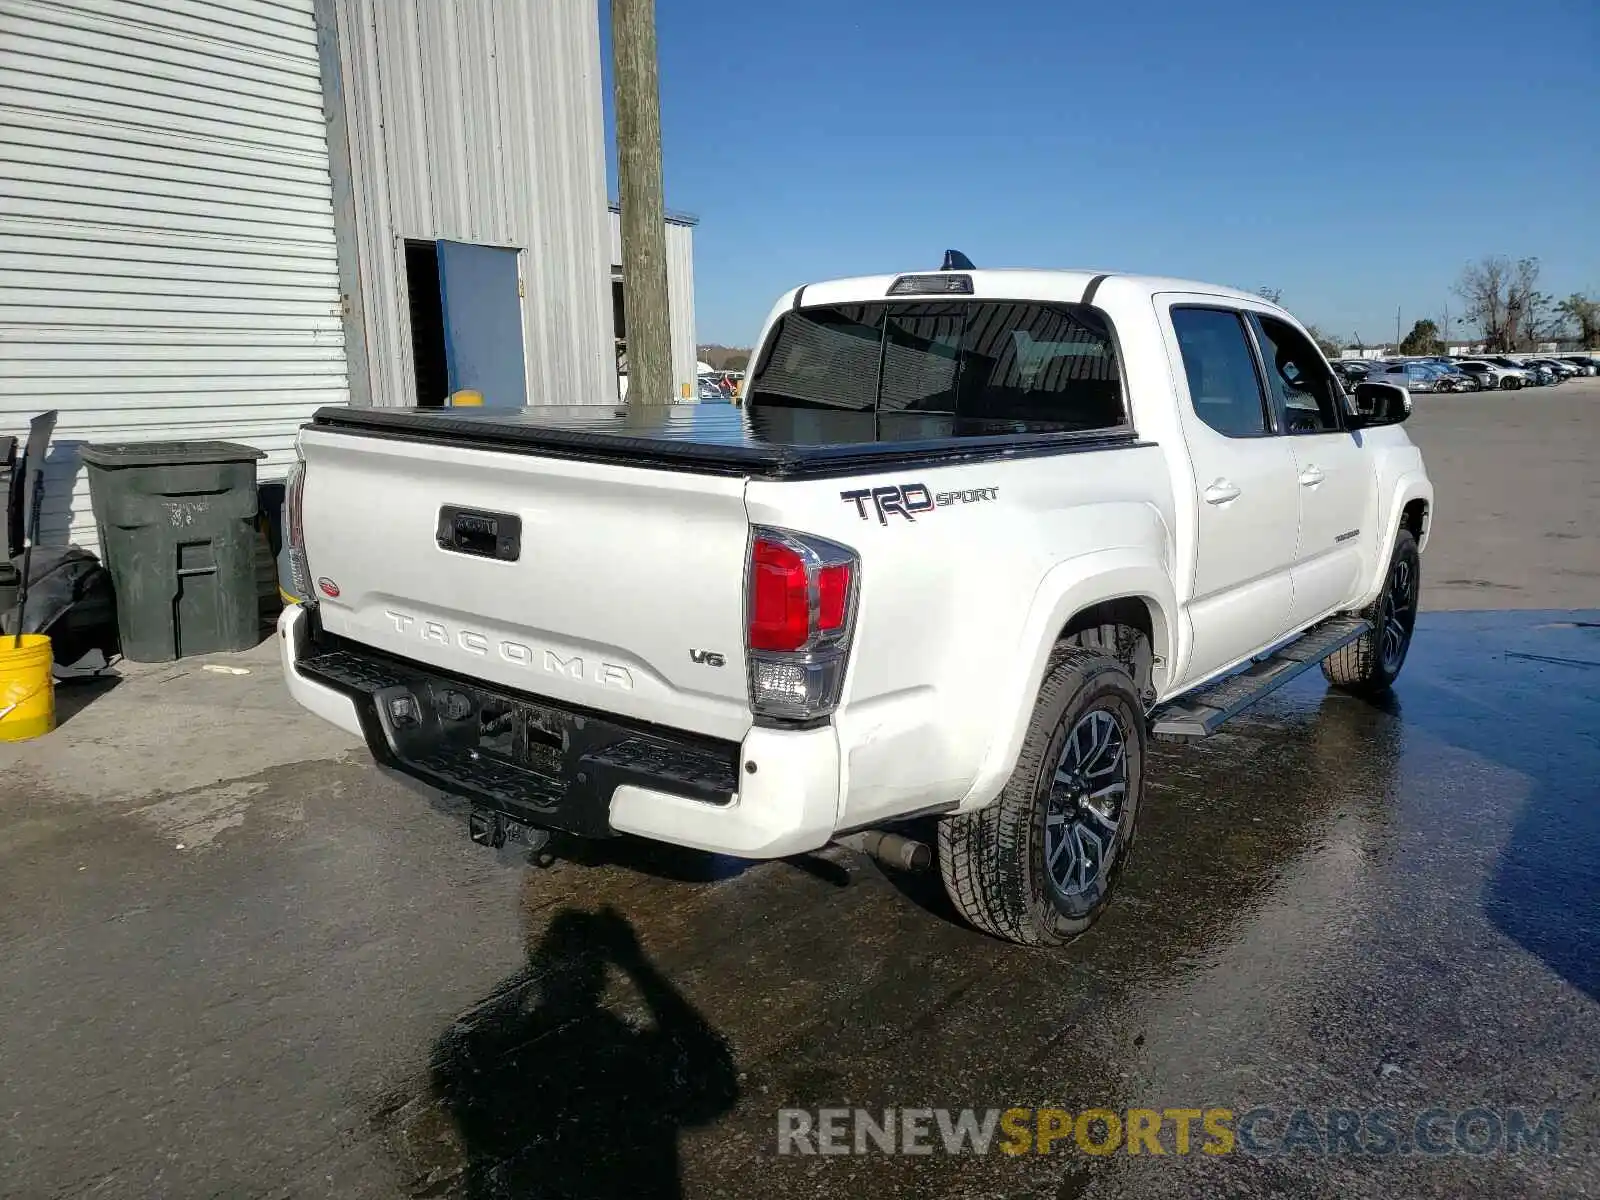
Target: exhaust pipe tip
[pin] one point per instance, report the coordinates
(890, 849)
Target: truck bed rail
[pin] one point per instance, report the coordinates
(714, 439)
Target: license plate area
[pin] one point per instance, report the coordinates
(480, 533)
(519, 733)
(537, 762)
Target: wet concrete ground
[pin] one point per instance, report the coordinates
(328, 991)
(236, 960)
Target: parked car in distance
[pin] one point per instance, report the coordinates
(1413, 376)
(1352, 371)
(710, 393)
(1443, 381)
(1453, 379)
(1524, 376)
(1586, 364)
(1487, 375)
(1563, 370)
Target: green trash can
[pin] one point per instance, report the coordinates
(178, 534)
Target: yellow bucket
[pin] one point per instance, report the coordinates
(27, 689)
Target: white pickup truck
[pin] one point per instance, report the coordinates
(974, 537)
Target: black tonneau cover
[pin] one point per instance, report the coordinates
(771, 442)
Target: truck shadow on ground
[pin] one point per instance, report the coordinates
(553, 1092)
(678, 864)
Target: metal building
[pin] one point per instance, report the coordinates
(215, 219)
(680, 294)
(168, 267)
(475, 123)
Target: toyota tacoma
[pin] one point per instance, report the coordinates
(974, 538)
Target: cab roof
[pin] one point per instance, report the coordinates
(1011, 284)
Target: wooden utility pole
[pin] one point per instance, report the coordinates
(644, 216)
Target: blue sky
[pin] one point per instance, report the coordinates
(1354, 155)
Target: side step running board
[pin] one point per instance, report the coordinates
(1200, 714)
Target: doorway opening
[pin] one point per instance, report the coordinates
(428, 359)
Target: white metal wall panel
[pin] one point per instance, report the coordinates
(680, 293)
(680, 304)
(480, 121)
(167, 259)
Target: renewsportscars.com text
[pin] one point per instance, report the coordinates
(1260, 1131)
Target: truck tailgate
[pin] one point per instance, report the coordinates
(624, 592)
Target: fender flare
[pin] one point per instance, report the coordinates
(1066, 590)
(1413, 485)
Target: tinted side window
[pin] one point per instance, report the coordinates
(1300, 382)
(1223, 384)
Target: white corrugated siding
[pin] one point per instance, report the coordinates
(167, 259)
(479, 121)
(680, 293)
(680, 305)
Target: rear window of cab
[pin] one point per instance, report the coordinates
(990, 366)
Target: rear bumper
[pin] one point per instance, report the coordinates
(556, 767)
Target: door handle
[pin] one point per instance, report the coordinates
(1311, 476)
(1220, 492)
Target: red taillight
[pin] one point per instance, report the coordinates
(802, 595)
(780, 609)
(833, 597)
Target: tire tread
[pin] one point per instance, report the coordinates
(1358, 667)
(981, 854)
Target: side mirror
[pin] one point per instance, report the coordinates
(1380, 404)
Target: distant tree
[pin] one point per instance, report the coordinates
(1482, 285)
(1584, 317)
(721, 358)
(1542, 321)
(1423, 339)
(1504, 301)
(1271, 295)
(1329, 344)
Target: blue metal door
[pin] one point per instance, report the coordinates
(483, 322)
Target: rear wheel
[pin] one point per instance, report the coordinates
(1039, 865)
(1370, 664)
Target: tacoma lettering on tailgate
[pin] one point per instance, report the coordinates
(602, 674)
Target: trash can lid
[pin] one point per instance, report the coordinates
(155, 454)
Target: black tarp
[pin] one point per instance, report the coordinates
(69, 598)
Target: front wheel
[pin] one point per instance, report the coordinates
(1370, 664)
(1039, 865)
